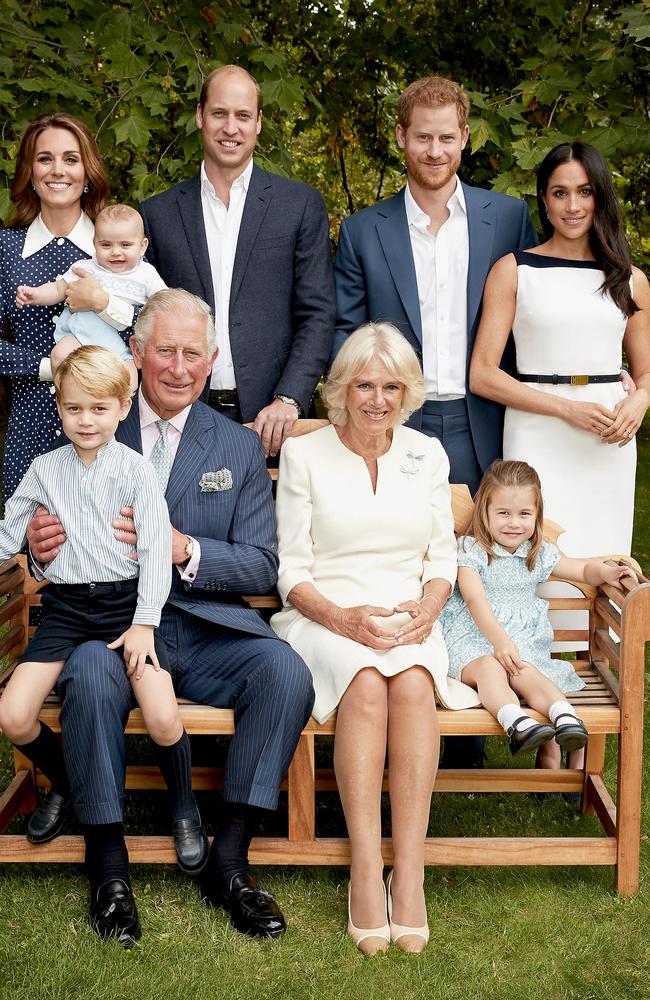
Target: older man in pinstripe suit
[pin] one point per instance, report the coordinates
(222, 652)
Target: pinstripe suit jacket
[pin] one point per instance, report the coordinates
(234, 527)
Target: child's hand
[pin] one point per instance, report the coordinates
(612, 574)
(24, 295)
(138, 648)
(507, 653)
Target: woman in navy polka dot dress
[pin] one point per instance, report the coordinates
(59, 186)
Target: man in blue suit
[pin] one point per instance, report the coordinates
(221, 652)
(255, 246)
(420, 260)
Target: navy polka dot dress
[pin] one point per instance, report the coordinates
(33, 421)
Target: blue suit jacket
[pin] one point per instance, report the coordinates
(375, 280)
(281, 316)
(235, 528)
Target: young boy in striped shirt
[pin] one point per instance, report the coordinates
(96, 591)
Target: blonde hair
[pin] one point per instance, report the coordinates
(374, 342)
(120, 213)
(97, 371)
(171, 300)
(507, 475)
(433, 92)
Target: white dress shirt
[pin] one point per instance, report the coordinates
(441, 264)
(222, 224)
(150, 434)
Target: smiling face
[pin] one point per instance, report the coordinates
(570, 201)
(229, 121)
(175, 362)
(512, 515)
(58, 172)
(432, 142)
(119, 244)
(89, 421)
(374, 399)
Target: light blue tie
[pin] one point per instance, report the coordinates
(161, 456)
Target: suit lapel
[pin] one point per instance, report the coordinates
(258, 199)
(393, 233)
(189, 460)
(481, 220)
(188, 199)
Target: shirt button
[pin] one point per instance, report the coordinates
(52, 389)
(60, 241)
(58, 433)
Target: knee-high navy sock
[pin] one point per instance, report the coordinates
(175, 762)
(106, 855)
(229, 851)
(45, 751)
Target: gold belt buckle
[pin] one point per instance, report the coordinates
(579, 380)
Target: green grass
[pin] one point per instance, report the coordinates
(496, 933)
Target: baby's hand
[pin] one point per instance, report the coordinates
(24, 295)
(138, 648)
(507, 653)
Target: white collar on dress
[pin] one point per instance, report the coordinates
(39, 236)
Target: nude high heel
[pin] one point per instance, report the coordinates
(398, 931)
(359, 934)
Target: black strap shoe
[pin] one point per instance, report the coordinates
(191, 843)
(46, 822)
(251, 910)
(530, 738)
(571, 735)
(113, 913)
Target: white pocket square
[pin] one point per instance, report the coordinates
(216, 482)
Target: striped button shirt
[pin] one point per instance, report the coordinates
(86, 498)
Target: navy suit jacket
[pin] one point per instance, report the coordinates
(375, 280)
(235, 527)
(281, 316)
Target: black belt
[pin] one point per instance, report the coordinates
(223, 397)
(569, 379)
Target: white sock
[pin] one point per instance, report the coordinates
(561, 708)
(508, 713)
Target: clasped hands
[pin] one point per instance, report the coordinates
(359, 623)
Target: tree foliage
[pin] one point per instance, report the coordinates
(330, 72)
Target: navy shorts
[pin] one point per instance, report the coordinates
(79, 612)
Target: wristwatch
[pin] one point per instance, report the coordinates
(290, 400)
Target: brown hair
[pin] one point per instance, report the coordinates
(97, 371)
(120, 213)
(434, 92)
(507, 475)
(23, 196)
(203, 96)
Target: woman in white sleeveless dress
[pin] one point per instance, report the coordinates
(573, 304)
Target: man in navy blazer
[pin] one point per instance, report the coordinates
(221, 651)
(420, 260)
(255, 246)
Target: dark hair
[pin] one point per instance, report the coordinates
(24, 198)
(606, 236)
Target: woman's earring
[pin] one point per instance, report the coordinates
(86, 189)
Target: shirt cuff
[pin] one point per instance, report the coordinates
(146, 614)
(38, 568)
(45, 370)
(118, 313)
(188, 574)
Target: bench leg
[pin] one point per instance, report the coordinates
(302, 791)
(594, 764)
(29, 803)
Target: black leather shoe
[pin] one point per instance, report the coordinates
(532, 737)
(46, 822)
(251, 911)
(571, 735)
(113, 913)
(191, 843)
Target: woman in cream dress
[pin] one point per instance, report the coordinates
(367, 559)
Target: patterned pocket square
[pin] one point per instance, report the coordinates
(216, 482)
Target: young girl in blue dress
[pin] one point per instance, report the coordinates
(497, 630)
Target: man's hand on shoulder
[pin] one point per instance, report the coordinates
(274, 424)
(45, 535)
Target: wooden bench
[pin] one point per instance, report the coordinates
(610, 704)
